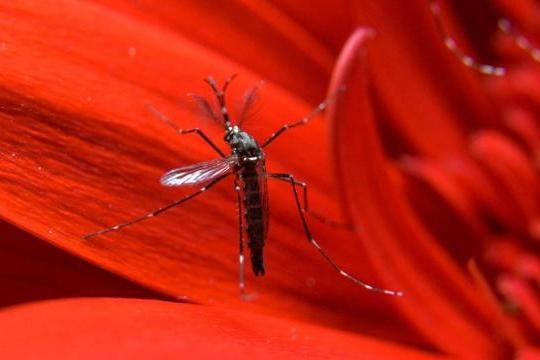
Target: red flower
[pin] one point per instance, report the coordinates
(434, 163)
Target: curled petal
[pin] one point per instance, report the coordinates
(513, 172)
(391, 233)
(421, 91)
(501, 321)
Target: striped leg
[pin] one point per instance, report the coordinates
(451, 45)
(305, 206)
(319, 109)
(155, 212)
(180, 131)
(241, 258)
(316, 245)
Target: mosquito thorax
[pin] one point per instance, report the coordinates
(243, 144)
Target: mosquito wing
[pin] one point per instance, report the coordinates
(199, 173)
(205, 108)
(248, 103)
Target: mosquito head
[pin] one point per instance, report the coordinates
(220, 95)
(231, 132)
(243, 144)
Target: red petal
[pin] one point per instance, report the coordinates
(525, 297)
(80, 152)
(321, 16)
(509, 257)
(529, 353)
(139, 329)
(522, 122)
(501, 321)
(424, 94)
(481, 188)
(521, 85)
(511, 170)
(445, 207)
(254, 33)
(437, 296)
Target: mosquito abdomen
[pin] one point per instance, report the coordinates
(255, 213)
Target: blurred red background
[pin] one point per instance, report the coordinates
(435, 163)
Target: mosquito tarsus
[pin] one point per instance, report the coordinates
(451, 44)
(247, 163)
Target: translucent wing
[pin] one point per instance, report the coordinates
(248, 102)
(205, 108)
(199, 173)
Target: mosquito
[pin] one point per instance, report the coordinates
(247, 163)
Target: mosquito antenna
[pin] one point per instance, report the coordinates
(451, 45)
(204, 106)
(521, 41)
(249, 99)
(181, 131)
(220, 95)
(227, 82)
(161, 116)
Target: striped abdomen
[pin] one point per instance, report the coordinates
(255, 203)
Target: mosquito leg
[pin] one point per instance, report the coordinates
(220, 95)
(241, 259)
(180, 131)
(155, 212)
(319, 109)
(305, 205)
(521, 41)
(451, 44)
(241, 281)
(320, 250)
